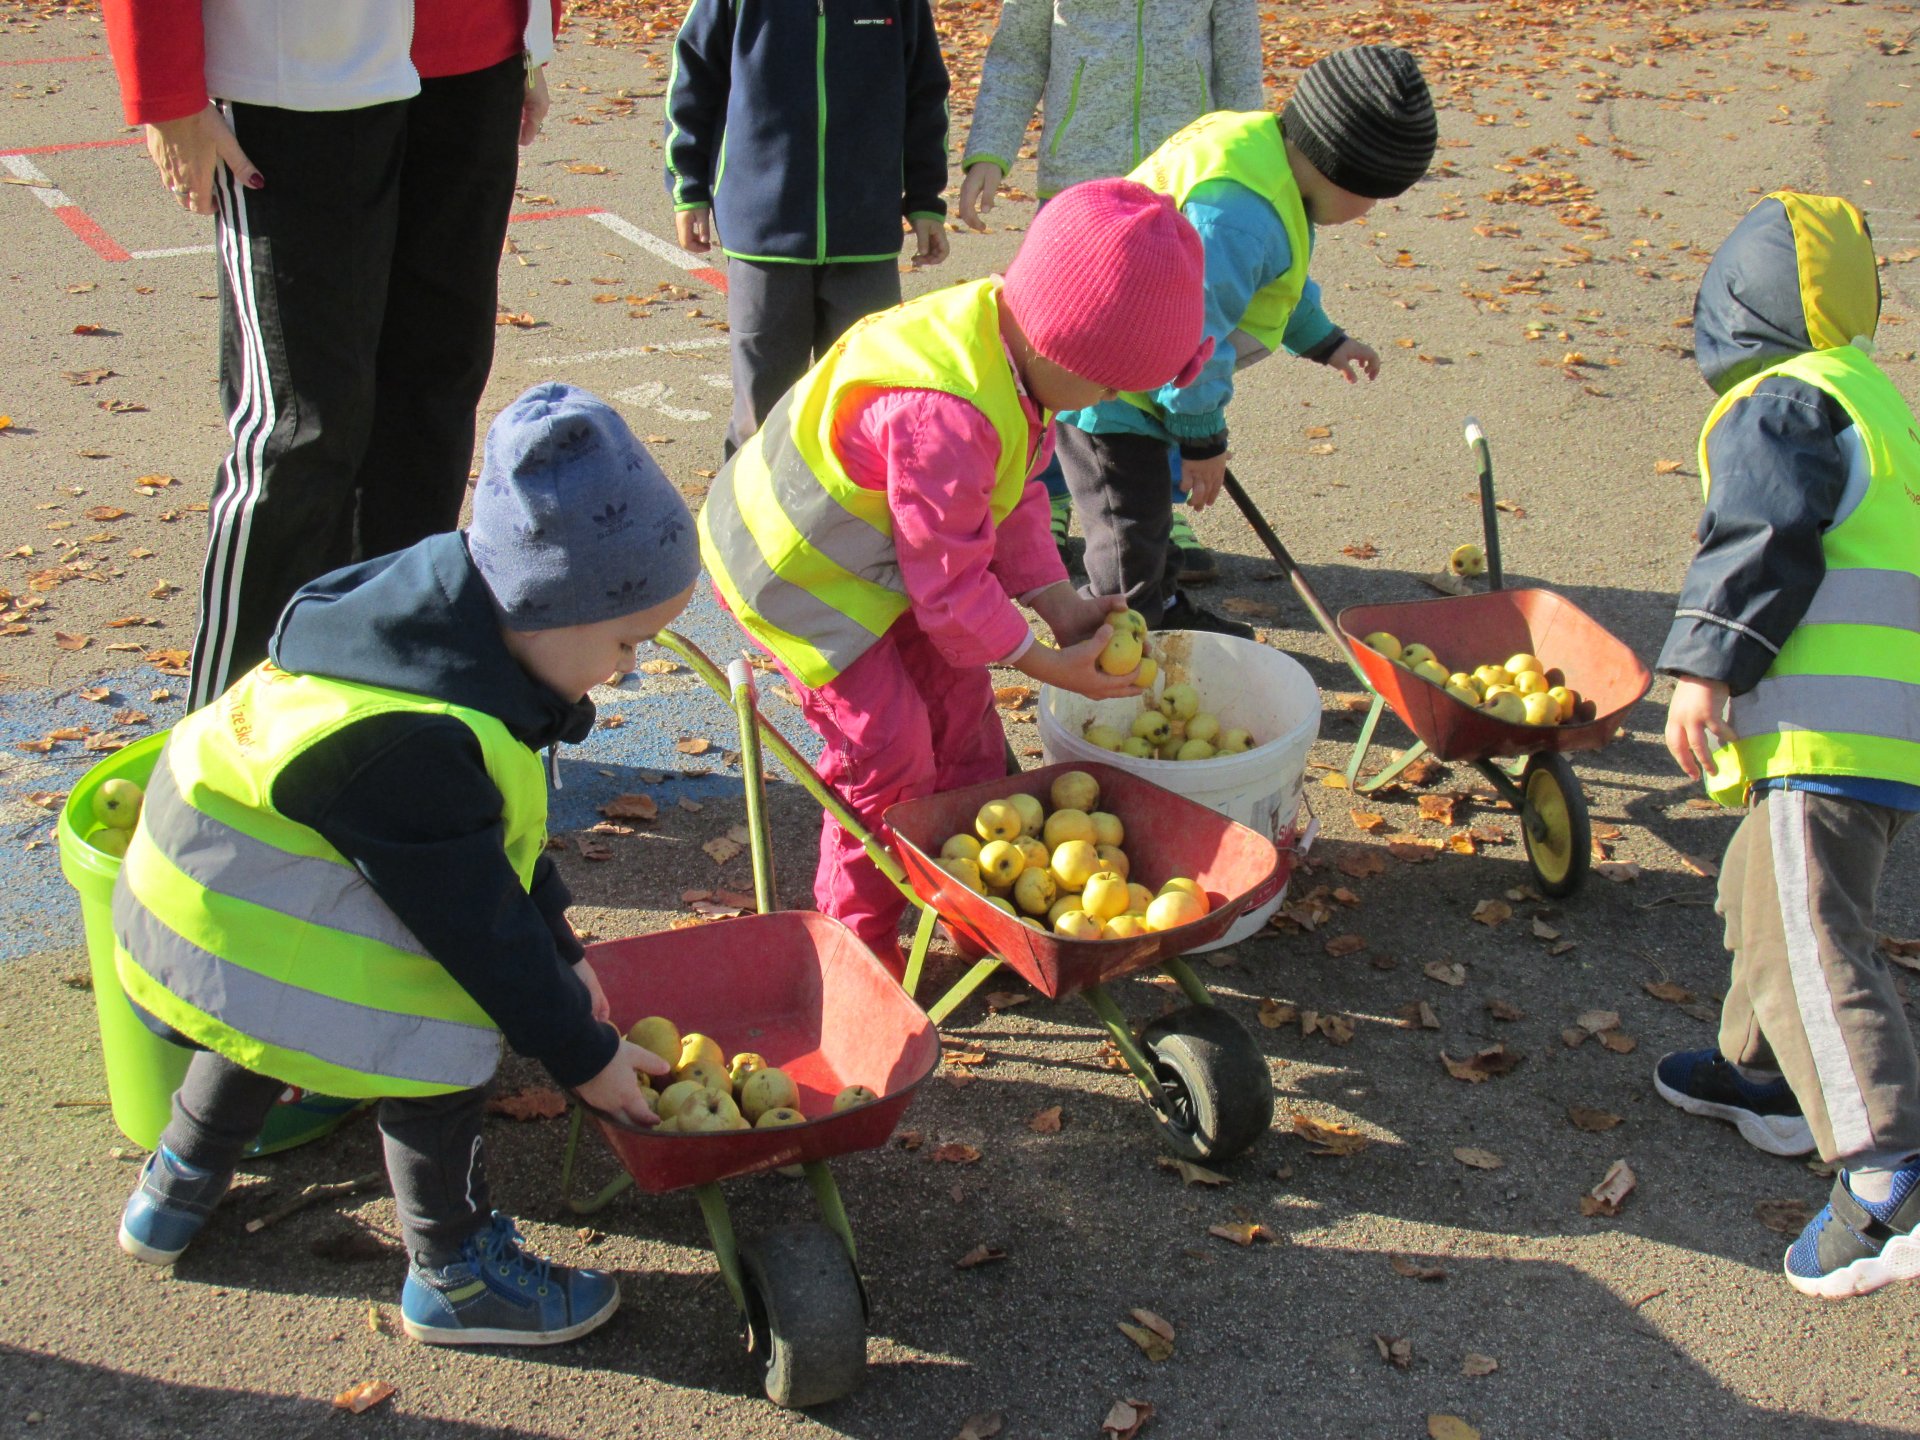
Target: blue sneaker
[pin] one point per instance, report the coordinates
(1703, 1082)
(498, 1294)
(1854, 1246)
(168, 1207)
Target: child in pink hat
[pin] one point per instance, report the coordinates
(879, 534)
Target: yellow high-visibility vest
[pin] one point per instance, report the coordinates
(804, 555)
(249, 933)
(1843, 695)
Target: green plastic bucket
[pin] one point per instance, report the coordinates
(143, 1069)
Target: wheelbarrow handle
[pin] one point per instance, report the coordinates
(1295, 575)
(1489, 512)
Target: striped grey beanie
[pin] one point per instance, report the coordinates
(1363, 116)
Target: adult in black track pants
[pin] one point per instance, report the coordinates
(360, 176)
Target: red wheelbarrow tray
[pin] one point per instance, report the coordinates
(1467, 631)
(1167, 835)
(798, 988)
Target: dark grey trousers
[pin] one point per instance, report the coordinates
(434, 1158)
(1811, 995)
(781, 317)
(1119, 487)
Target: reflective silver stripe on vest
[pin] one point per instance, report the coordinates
(1830, 704)
(836, 532)
(226, 861)
(1867, 597)
(339, 1032)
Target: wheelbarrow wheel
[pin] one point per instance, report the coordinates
(1553, 821)
(806, 1320)
(1218, 1092)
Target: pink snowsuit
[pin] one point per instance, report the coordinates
(915, 713)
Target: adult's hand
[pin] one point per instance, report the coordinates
(930, 241)
(185, 151)
(533, 110)
(977, 192)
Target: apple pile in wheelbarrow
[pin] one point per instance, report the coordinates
(705, 1091)
(1065, 868)
(1520, 692)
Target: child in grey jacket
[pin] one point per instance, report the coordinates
(1114, 79)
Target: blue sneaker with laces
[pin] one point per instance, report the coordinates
(498, 1294)
(1704, 1082)
(168, 1207)
(1855, 1246)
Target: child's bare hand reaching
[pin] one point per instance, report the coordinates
(1076, 668)
(1351, 355)
(616, 1090)
(1074, 617)
(584, 969)
(1692, 716)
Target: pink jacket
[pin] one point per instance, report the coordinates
(934, 454)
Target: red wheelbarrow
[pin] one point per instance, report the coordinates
(1199, 1071)
(1468, 630)
(802, 990)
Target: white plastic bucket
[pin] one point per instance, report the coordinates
(1249, 686)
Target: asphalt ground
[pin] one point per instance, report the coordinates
(1668, 1318)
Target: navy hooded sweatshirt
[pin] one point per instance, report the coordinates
(406, 798)
(812, 130)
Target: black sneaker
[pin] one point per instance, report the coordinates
(1703, 1082)
(1183, 614)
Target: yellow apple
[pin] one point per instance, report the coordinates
(1129, 620)
(1032, 813)
(1233, 742)
(710, 1073)
(1179, 702)
(967, 873)
(1112, 857)
(1000, 902)
(1104, 895)
(1567, 700)
(695, 1046)
(743, 1065)
(851, 1096)
(1516, 664)
(998, 820)
(1061, 905)
(1467, 561)
(676, 1095)
(658, 1034)
(1194, 750)
(1412, 655)
(1465, 694)
(1073, 864)
(779, 1116)
(1506, 705)
(1174, 908)
(116, 804)
(1139, 749)
(1460, 677)
(1384, 643)
(1121, 655)
(1065, 825)
(1541, 708)
(110, 840)
(1107, 829)
(1492, 675)
(1170, 750)
(1078, 925)
(1103, 736)
(1530, 682)
(706, 1112)
(765, 1090)
(1152, 727)
(1180, 884)
(960, 847)
(1034, 852)
(1125, 927)
(1001, 862)
(1138, 898)
(1149, 668)
(1075, 790)
(1203, 727)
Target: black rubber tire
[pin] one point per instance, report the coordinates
(1218, 1088)
(806, 1317)
(1560, 858)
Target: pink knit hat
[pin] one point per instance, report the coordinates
(1108, 284)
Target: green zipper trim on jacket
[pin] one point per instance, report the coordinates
(820, 84)
(1073, 103)
(1139, 70)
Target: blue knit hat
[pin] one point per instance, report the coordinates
(573, 522)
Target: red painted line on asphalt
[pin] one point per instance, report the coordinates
(553, 214)
(74, 145)
(715, 278)
(55, 60)
(90, 233)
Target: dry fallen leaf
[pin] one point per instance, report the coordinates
(541, 1103)
(1505, 1010)
(1619, 1042)
(1666, 990)
(1492, 912)
(1396, 1350)
(721, 848)
(1783, 1217)
(1544, 931)
(1585, 1117)
(1367, 820)
(1419, 1016)
(631, 807)
(1438, 808)
(694, 745)
(1473, 1365)
(1596, 1021)
(1156, 1343)
(981, 1427)
(1345, 945)
(1274, 1015)
(1413, 1270)
(1494, 1060)
(1191, 1173)
(1241, 1232)
(1478, 1159)
(1450, 1427)
(956, 1153)
(1359, 863)
(1046, 1122)
(979, 1255)
(1125, 1420)
(1447, 973)
(1258, 609)
(71, 642)
(362, 1397)
(1329, 1137)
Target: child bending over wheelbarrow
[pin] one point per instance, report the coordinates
(876, 532)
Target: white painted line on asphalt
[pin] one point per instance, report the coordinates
(652, 395)
(172, 251)
(627, 230)
(51, 195)
(628, 351)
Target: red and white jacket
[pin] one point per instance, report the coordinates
(172, 55)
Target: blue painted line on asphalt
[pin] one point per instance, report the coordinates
(39, 911)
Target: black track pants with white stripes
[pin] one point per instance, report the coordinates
(358, 291)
